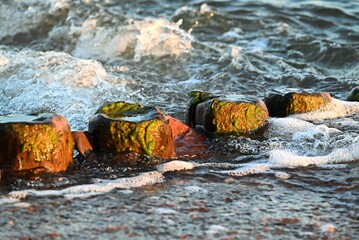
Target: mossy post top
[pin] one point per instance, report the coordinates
(128, 127)
(130, 112)
(44, 118)
(226, 114)
(282, 104)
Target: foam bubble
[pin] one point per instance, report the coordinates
(285, 158)
(175, 166)
(282, 175)
(328, 228)
(247, 169)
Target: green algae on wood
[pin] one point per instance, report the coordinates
(29, 142)
(118, 109)
(231, 114)
(126, 127)
(295, 103)
(195, 98)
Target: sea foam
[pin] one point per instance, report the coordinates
(35, 82)
(102, 186)
(282, 159)
(334, 109)
(87, 190)
(26, 16)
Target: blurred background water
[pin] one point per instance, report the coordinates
(299, 180)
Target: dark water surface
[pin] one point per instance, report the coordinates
(299, 180)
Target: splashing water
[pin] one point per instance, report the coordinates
(151, 37)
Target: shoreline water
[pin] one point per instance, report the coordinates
(70, 57)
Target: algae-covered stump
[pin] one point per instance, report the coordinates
(228, 114)
(125, 127)
(295, 103)
(35, 142)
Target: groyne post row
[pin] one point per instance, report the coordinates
(45, 142)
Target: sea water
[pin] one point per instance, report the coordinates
(299, 179)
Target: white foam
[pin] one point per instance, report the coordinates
(292, 126)
(285, 158)
(335, 109)
(280, 159)
(222, 165)
(103, 44)
(160, 38)
(126, 191)
(305, 137)
(240, 60)
(25, 16)
(9, 200)
(87, 190)
(328, 228)
(149, 37)
(55, 82)
(22, 205)
(282, 175)
(4, 62)
(175, 166)
(104, 186)
(344, 123)
(247, 169)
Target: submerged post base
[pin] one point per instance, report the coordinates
(35, 142)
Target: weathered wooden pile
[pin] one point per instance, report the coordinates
(45, 142)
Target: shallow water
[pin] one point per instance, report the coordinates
(299, 179)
